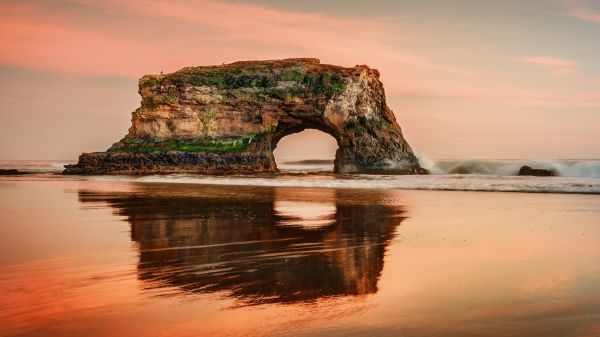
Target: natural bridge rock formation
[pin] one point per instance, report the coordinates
(229, 118)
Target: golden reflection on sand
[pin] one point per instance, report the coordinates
(252, 248)
(295, 210)
(105, 259)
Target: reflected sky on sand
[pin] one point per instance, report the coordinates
(261, 246)
(82, 257)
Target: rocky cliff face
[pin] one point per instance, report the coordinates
(229, 118)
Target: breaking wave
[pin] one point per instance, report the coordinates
(35, 166)
(573, 176)
(562, 168)
(418, 182)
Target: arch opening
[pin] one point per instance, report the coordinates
(305, 150)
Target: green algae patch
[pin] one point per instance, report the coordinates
(221, 78)
(221, 145)
(152, 102)
(274, 82)
(363, 125)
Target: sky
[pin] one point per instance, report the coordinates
(465, 79)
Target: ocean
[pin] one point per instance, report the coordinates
(572, 176)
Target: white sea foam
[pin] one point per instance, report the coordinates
(35, 166)
(562, 168)
(431, 182)
(575, 176)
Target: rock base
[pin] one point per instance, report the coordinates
(98, 163)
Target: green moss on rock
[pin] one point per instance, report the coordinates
(152, 102)
(359, 130)
(222, 79)
(148, 82)
(291, 75)
(212, 145)
(267, 80)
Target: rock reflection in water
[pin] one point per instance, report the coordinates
(260, 245)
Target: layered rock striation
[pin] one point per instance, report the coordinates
(229, 119)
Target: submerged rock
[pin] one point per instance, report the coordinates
(229, 118)
(528, 171)
(10, 172)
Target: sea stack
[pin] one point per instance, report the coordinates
(229, 119)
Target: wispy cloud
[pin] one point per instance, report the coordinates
(495, 95)
(557, 65)
(136, 37)
(586, 10)
(586, 14)
(139, 36)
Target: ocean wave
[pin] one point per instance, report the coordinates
(574, 176)
(35, 166)
(423, 182)
(562, 168)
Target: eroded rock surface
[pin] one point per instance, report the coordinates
(229, 118)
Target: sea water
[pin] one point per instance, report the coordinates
(572, 176)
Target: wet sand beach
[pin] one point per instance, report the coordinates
(105, 258)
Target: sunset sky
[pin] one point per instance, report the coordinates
(465, 78)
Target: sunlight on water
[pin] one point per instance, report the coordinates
(305, 214)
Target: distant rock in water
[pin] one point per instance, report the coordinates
(229, 119)
(528, 171)
(311, 162)
(10, 172)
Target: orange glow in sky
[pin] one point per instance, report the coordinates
(506, 79)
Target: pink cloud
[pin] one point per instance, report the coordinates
(586, 14)
(139, 37)
(558, 65)
(498, 95)
(582, 9)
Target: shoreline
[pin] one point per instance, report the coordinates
(326, 180)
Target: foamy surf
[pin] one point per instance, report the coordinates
(562, 168)
(431, 182)
(35, 166)
(581, 176)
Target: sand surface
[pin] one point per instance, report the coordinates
(83, 257)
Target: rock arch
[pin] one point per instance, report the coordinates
(229, 118)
